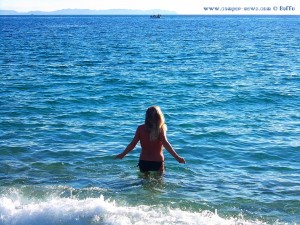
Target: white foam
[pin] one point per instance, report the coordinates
(61, 211)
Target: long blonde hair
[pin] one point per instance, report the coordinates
(155, 122)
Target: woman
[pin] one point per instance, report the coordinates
(152, 137)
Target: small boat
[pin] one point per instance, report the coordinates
(155, 16)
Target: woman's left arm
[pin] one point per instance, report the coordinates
(130, 146)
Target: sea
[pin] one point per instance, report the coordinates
(73, 90)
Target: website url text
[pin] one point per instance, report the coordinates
(249, 9)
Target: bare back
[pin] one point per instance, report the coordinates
(151, 150)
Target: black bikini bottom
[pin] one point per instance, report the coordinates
(146, 166)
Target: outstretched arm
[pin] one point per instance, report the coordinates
(129, 147)
(170, 149)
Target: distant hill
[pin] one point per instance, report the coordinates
(8, 12)
(91, 12)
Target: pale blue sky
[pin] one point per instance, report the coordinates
(179, 6)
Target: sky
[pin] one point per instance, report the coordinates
(287, 7)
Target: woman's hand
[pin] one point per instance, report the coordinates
(180, 160)
(120, 156)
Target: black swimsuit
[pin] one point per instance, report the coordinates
(146, 166)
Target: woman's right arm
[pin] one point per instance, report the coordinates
(169, 147)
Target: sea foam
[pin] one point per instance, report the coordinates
(62, 211)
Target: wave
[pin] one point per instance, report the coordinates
(61, 211)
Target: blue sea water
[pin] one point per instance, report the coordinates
(74, 88)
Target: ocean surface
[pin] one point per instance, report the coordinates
(73, 90)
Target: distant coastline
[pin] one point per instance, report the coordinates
(91, 12)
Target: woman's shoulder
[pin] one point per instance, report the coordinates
(163, 131)
(141, 127)
(164, 128)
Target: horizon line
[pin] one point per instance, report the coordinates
(7, 12)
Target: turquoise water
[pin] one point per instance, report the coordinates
(73, 90)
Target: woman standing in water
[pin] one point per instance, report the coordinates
(152, 137)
